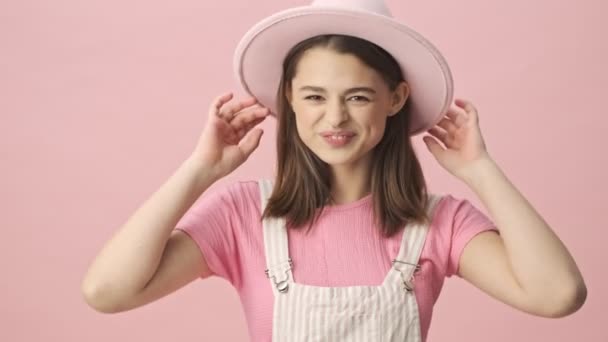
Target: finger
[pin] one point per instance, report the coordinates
(218, 102)
(229, 112)
(439, 134)
(469, 108)
(247, 127)
(433, 145)
(457, 117)
(447, 124)
(251, 141)
(242, 119)
(246, 113)
(254, 123)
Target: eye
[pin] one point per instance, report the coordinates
(360, 98)
(313, 97)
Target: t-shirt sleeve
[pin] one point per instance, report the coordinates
(211, 222)
(467, 222)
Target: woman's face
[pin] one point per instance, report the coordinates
(341, 106)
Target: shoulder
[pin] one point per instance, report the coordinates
(241, 187)
(456, 218)
(242, 195)
(450, 207)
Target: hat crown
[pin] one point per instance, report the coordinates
(374, 6)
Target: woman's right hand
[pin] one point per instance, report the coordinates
(224, 143)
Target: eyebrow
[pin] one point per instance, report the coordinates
(348, 91)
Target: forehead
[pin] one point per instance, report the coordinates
(326, 66)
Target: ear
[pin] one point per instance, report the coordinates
(399, 97)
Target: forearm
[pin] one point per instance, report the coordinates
(129, 260)
(541, 263)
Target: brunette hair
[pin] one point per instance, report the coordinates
(302, 184)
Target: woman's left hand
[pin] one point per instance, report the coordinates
(460, 134)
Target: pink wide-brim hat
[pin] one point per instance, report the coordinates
(258, 58)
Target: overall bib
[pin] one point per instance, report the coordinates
(388, 312)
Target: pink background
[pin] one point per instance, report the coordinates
(100, 101)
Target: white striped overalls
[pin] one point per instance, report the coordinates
(388, 312)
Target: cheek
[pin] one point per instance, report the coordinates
(305, 121)
(376, 131)
(304, 128)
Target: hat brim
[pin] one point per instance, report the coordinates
(259, 56)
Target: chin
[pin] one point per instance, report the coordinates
(336, 161)
(337, 157)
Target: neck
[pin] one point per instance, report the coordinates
(350, 182)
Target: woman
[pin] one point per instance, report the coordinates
(346, 243)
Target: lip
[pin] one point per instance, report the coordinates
(338, 142)
(344, 133)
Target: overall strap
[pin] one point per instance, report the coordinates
(278, 263)
(412, 243)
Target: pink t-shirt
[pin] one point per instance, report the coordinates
(344, 248)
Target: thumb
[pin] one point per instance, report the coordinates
(251, 141)
(432, 145)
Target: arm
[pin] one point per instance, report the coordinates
(120, 273)
(145, 259)
(527, 265)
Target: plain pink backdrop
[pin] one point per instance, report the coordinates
(100, 102)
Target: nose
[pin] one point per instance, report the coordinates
(336, 113)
